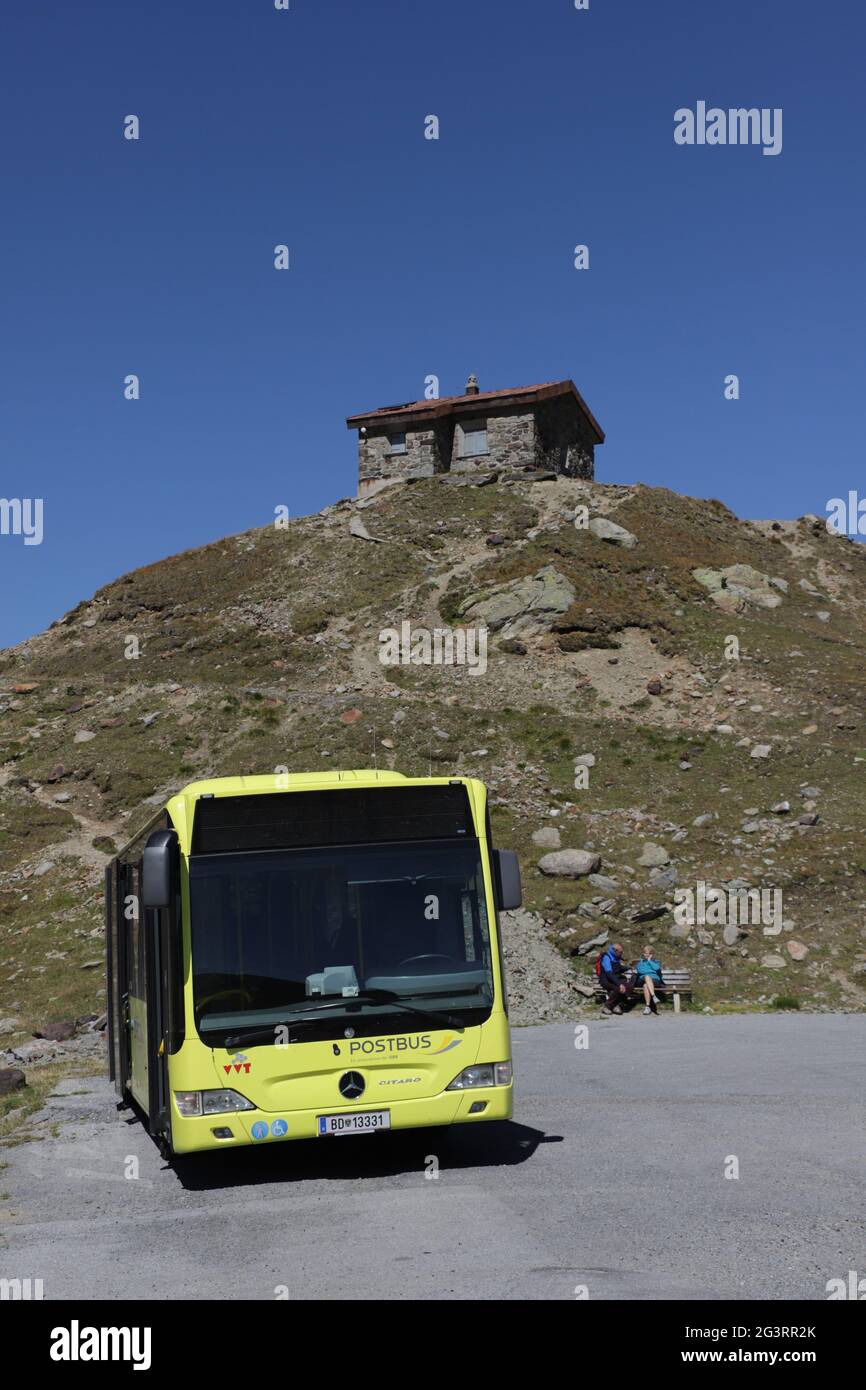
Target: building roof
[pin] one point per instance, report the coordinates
(426, 412)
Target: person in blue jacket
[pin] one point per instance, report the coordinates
(648, 976)
(614, 977)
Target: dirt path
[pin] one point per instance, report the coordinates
(77, 842)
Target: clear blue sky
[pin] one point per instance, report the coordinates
(411, 256)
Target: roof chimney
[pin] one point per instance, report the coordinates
(472, 386)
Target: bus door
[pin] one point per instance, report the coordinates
(117, 979)
(136, 981)
(163, 971)
(156, 961)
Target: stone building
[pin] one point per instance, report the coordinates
(530, 428)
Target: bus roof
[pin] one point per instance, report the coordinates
(291, 781)
(181, 806)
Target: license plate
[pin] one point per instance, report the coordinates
(359, 1122)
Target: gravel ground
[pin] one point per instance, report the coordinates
(612, 1178)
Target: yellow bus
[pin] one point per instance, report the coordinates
(310, 955)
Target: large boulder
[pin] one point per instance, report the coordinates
(528, 605)
(735, 585)
(570, 863)
(57, 1032)
(606, 530)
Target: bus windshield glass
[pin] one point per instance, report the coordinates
(276, 933)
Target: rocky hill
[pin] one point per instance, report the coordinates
(610, 651)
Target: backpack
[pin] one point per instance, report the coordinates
(598, 960)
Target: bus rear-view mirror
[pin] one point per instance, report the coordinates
(508, 879)
(158, 869)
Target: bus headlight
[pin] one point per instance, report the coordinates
(190, 1103)
(483, 1074)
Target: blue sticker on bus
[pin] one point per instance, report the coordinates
(259, 1130)
(279, 1128)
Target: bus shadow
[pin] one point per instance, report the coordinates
(498, 1144)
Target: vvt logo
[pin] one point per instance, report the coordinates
(238, 1063)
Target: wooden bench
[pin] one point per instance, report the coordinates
(677, 986)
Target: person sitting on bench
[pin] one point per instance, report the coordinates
(649, 975)
(614, 977)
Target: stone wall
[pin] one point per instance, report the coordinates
(511, 439)
(554, 436)
(375, 459)
(566, 444)
(511, 443)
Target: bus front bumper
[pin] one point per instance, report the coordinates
(234, 1128)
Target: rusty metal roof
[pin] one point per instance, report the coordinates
(424, 412)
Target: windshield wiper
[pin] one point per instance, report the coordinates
(366, 996)
(389, 996)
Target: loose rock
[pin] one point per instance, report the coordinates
(11, 1079)
(653, 856)
(570, 863)
(605, 530)
(547, 838)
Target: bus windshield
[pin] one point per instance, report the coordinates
(275, 931)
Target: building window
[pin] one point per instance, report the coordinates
(474, 439)
(397, 443)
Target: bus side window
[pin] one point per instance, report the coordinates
(132, 910)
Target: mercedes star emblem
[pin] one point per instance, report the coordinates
(352, 1085)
